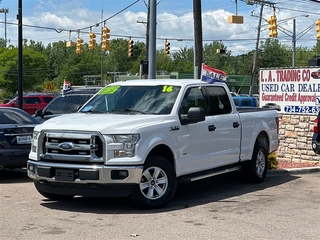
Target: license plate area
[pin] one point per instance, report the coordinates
(64, 175)
(24, 139)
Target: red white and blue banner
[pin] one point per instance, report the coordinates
(66, 86)
(211, 75)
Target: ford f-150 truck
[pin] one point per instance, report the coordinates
(140, 138)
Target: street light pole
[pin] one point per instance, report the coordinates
(294, 43)
(5, 11)
(292, 34)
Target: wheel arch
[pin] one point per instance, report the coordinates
(264, 139)
(165, 152)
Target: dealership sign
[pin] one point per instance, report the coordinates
(294, 90)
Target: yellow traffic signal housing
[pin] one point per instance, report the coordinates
(105, 46)
(79, 45)
(318, 28)
(273, 27)
(167, 48)
(92, 41)
(130, 48)
(70, 44)
(222, 51)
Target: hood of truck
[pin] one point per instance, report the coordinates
(103, 123)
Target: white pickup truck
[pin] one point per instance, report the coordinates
(139, 138)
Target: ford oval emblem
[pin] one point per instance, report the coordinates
(66, 146)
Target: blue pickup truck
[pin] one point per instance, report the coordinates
(245, 101)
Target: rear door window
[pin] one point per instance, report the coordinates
(219, 100)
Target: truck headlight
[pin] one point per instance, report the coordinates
(34, 141)
(129, 142)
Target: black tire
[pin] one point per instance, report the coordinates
(158, 184)
(255, 170)
(53, 196)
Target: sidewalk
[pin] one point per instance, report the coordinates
(292, 171)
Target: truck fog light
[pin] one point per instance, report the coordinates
(119, 174)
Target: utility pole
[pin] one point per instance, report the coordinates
(20, 77)
(255, 56)
(146, 57)
(152, 39)
(198, 50)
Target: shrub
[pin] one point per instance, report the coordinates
(272, 161)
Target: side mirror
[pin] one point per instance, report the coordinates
(38, 113)
(195, 114)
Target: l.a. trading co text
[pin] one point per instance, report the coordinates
(289, 85)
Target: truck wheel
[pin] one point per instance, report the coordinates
(256, 169)
(53, 196)
(158, 184)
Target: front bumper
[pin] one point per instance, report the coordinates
(83, 174)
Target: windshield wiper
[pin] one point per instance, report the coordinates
(129, 110)
(92, 111)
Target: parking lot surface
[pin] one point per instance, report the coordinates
(285, 206)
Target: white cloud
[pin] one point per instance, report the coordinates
(174, 24)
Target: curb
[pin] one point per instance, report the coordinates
(292, 171)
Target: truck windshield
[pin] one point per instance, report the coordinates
(118, 99)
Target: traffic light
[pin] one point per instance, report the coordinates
(130, 48)
(318, 28)
(167, 48)
(92, 41)
(79, 45)
(273, 27)
(222, 51)
(105, 39)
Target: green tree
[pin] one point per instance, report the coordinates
(273, 54)
(34, 69)
(183, 60)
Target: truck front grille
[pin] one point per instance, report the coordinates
(74, 147)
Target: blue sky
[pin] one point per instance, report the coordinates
(174, 21)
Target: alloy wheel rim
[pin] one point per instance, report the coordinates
(154, 183)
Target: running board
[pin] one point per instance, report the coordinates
(209, 173)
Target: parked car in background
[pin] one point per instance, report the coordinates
(31, 102)
(255, 95)
(16, 127)
(68, 103)
(5, 100)
(245, 101)
(272, 105)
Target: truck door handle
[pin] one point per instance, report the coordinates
(211, 128)
(236, 124)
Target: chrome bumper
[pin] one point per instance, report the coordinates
(83, 174)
